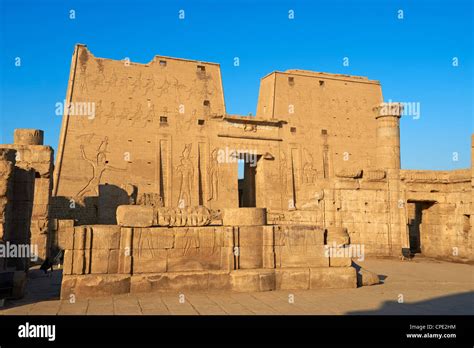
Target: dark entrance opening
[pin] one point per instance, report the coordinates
(415, 219)
(248, 179)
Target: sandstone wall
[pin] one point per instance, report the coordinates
(162, 126)
(111, 259)
(445, 202)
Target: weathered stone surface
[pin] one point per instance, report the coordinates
(253, 280)
(86, 286)
(262, 232)
(177, 281)
(292, 278)
(135, 216)
(244, 217)
(366, 277)
(333, 277)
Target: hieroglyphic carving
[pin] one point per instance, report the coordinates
(150, 199)
(99, 165)
(186, 172)
(190, 216)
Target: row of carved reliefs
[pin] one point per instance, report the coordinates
(438, 176)
(147, 216)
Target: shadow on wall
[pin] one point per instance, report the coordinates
(91, 210)
(457, 304)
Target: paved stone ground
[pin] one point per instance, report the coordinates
(426, 287)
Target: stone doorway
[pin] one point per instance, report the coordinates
(249, 184)
(415, 219)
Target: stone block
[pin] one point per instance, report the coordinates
(244, 216)
(99, 285)
(186, 238)
(68, 261)
(210, 237)
(227, 258)
(333, 277)
(253, 280)
(366, 277)
(228, 236)
(193, 259)
(268, 257)
(99, 261)
(219, 280)
(340, 261)
(250, 257)
(106, 237)
(113, 264)
(268, 236)
(172, 281)
(302, 256)
(66, 238)
(135, 216)
(149, 261)
(292, 278)
(251, 236)
(79, 262)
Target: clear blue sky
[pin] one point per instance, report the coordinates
(411, 57)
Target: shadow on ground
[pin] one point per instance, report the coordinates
(39, 287)
(457, 304)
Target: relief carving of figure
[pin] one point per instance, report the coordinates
(186, 172)
(309, 172)
(99, 165)
(148, 87)
(213, 172)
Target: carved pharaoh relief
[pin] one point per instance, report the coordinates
(99, 165)
(309, 172)
(186, 174)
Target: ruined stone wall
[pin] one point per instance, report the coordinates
(6, 197)
(445, 208)
(112, 259)
(33, 186)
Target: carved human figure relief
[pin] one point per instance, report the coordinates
(83, 58)
(186, 172)
(151, 112)
(112, 81)
(213, 172)
(309, 172)
(99, 165)
(110, 114)
(148, 87)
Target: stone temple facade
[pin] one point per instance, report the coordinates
(145, 193)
